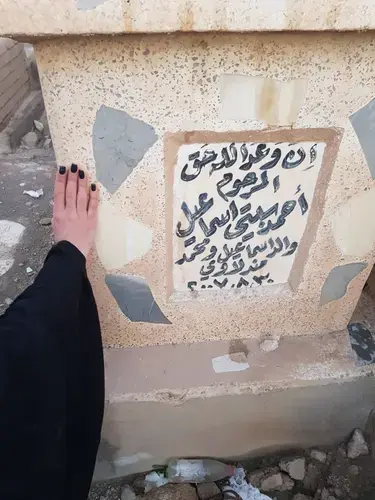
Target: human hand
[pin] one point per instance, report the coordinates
(75, 208)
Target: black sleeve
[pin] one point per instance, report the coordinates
(37, 335)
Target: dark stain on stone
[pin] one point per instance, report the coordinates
(337, 281)
(363, 344)
(363, 122)
(119, 144)
(135, 299)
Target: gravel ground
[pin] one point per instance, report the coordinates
(26, 170)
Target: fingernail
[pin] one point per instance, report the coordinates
(62, 170)
(74, 168)
(93, 187)
(81, 174)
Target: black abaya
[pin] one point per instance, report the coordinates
(51, 384)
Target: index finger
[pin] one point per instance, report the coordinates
(60, 186)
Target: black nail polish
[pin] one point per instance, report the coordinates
(74, 168)
(62, 170)
(93, 187)
(81, 174)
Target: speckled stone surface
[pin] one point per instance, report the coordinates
(171, 83)
(21, 17)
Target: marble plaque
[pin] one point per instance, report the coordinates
(239, 212)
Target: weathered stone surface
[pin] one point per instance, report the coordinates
(295, 468)
(30, 140)
(207, 490)
(172, 492)
(357, 445)
(319, 456)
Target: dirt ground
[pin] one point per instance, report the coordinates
(26, 170)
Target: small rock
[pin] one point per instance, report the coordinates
(38, 125)
(45, 221)
(295, 468)
(301, 496)
(8, 301)
(288, 484)
(21, 264)
(319, 456)
(272, 482)
(353, 470)
(47, 144)
(29, 270)
(207, 490)
(341, 451)
(172, 492)
(255, 477)
(357, 445)
(29, 203)
(128, 493)
(269, 345)
(30, 140)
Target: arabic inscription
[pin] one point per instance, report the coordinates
(239, 212)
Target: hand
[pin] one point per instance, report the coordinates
(75, 208)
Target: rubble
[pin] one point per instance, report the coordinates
(357, 445)
(295, 468)
(319, 456)
(30, 140)
(313, 475)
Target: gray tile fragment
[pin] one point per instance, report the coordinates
(363, 122)
(119, 143)
(135, 299)
(88, 4)
(363, 344)
(337, 281)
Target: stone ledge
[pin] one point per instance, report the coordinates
(82, 17)
(174, 374)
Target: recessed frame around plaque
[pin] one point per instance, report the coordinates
(243, 207)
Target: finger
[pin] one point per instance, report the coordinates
(82, 196)
(71, 188)
(60, 186)
(94, 201)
